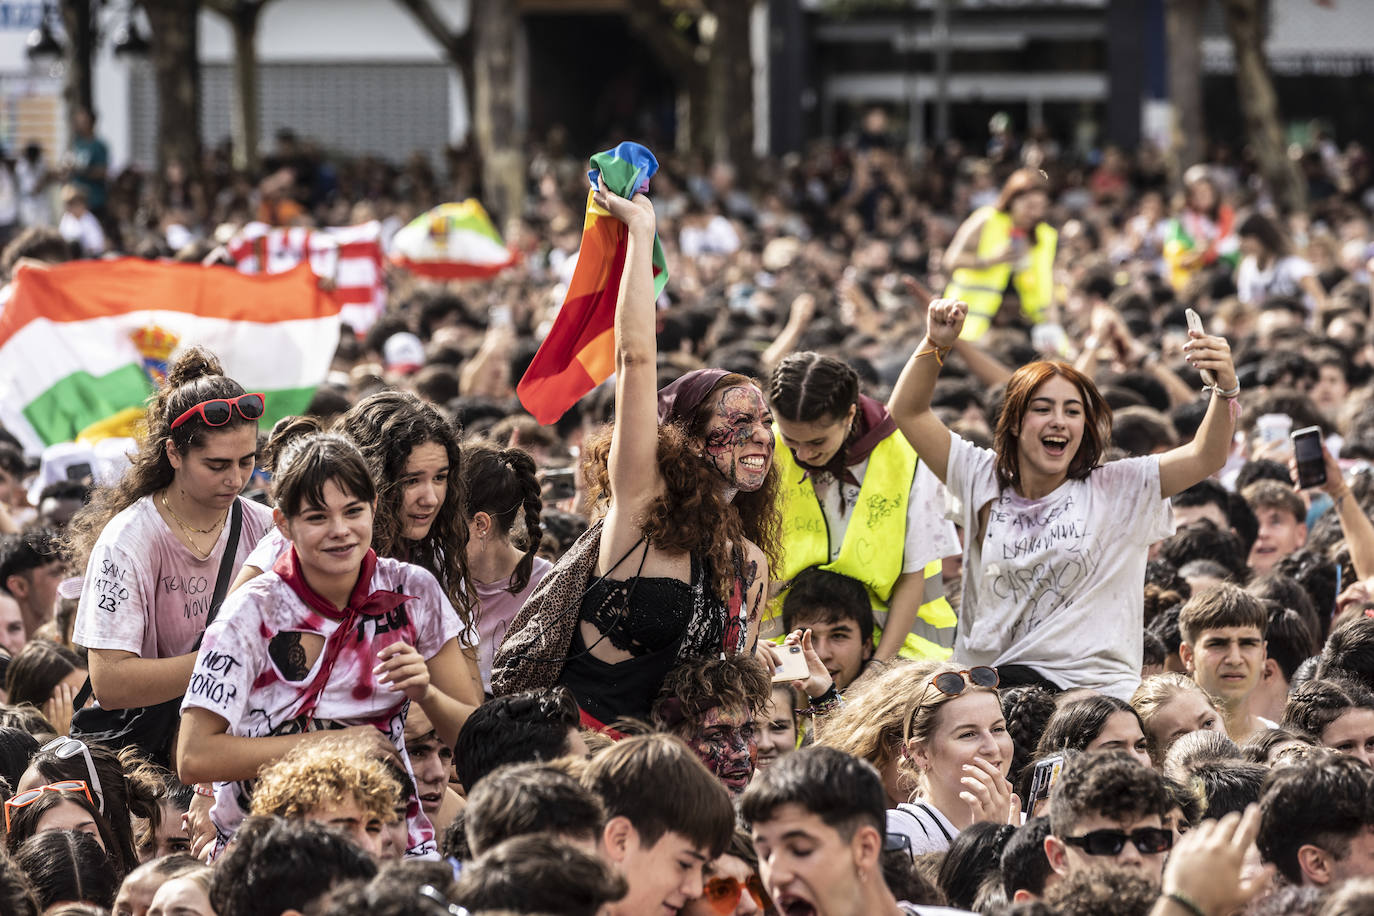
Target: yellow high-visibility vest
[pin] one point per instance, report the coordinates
(983, 289)
(873, 543)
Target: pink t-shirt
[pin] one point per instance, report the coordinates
(496, 608)
(236, 677)
(145, 592)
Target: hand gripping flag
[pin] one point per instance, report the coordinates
(579, 352)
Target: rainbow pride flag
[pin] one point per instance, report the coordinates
(579, 352)
(84, 343)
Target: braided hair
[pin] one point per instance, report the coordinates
(504, 483)
(807, 387)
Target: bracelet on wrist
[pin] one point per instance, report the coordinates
(823, 704)
(1188, 903)
(935, 350)
(204, 790)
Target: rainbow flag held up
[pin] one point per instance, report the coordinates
(579, 352)
(84, 342)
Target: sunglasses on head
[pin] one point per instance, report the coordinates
(953, 683)
(219, 411)
(66, 749)
(723, 894)
(1148, 840)
(33, 795)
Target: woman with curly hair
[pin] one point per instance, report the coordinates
(687, 486)
(415, 459)
(1056, 541)
(151, 544)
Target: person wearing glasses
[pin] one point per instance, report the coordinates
(151, 544)
(1055, 541)
(956, 750)
(1108, 809)
(733, 886)
(65, 805)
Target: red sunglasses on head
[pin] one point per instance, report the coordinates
(723, 894)
(219, 411)
(33, 795)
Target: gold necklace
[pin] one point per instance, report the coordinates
(185, 527)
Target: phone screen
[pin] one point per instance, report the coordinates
(1307, 450)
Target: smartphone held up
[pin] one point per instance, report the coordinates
(1307, 453)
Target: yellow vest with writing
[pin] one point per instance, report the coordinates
(873, 545)
(983, 289)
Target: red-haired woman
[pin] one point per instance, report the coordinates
(1055, 542)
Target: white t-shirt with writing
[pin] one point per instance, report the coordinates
(237, 679)
(1057, 583)
(145, 592)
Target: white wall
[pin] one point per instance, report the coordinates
(333, 30)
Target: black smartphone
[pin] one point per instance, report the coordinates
(1307, 451)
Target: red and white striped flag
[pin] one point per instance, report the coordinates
(351, 256)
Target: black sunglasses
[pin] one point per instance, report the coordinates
(952, 683)
(1148, 840)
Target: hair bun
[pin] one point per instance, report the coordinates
(191, 364)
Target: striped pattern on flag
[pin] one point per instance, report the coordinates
(351, 256)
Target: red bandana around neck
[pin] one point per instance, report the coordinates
(362, 603)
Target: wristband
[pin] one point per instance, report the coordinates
(825, 703)
(204, 791)
(1186, 902)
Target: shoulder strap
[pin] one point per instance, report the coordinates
(226, 569)
(226, 562)
(935, 818)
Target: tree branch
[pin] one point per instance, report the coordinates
(435, 27)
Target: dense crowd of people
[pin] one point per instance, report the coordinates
(936, 546)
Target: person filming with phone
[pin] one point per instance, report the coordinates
(1056, 541)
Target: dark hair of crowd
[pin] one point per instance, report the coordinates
(520, 727)
(1326, 800)
(539, 874)
(824, 596)
(275, 864)
(528, 798)
(37, 669)
(846, 793)
(660, 786)
(67, 865)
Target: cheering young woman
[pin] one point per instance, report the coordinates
(1055, 542)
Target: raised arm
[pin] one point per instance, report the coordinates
(910, 401)
(1358, 529)
(1199, 459)
(633, 462)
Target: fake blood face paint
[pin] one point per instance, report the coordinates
(739, 438)
(725, 742)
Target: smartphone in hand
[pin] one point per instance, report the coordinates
(793, 666)
(1307, 451)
